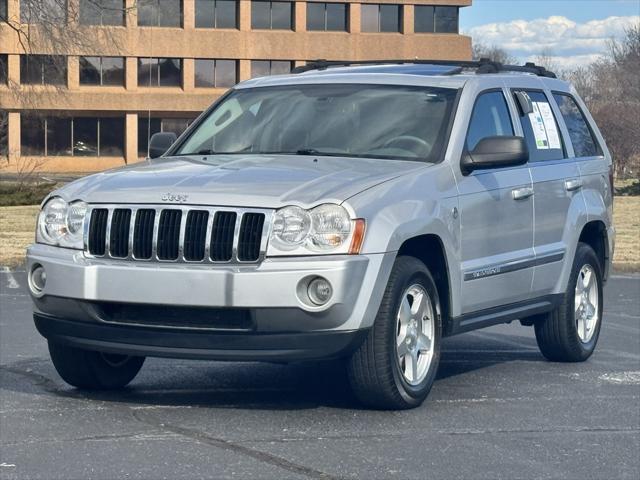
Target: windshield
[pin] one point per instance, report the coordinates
(373, 121)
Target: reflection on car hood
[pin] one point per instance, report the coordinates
(268, 181)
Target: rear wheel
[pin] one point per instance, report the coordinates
(396, 365)
(91, 370)
(570, 333)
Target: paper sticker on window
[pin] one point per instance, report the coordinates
(537, 125)
(549, 125)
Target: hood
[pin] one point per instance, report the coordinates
(247, 181)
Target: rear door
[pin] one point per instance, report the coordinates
(496, 217)
(556, 184)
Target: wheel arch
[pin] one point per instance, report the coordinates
(430, 250)
(594, 234)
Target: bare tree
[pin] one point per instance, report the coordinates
(492, 52)
(545, 58)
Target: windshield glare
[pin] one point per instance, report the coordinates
(373, 121)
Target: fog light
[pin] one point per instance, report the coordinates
(38, 278)
(319, 291)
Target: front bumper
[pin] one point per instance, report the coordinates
(283, 325)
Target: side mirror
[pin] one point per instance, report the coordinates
(496, 152)
(160, 143)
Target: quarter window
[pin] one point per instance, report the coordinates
(102, 71)
(102, 12)
(541, 129)
(159, 72)
(329, 17)
(43, 70)
(216, 14)
(490, 118)
(584, 143)
(263, 68)
(159, 13)
(266, 15)
(216, 73)
(381, 18)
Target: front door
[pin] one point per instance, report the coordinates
(496, 208)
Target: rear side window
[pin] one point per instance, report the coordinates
(584, 143)
(541, 130)
(490, 118)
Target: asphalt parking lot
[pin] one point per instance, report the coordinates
(498, 410)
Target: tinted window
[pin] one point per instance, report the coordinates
(263, 68)
(490, 118)
(102, 71)
(159, 13)
(4, 140)
(216, 14)
(3, 68)
(102, 12)
(112, 137)
(58, 136)
(32, 135)
(215, 73)
(47, 11)
(85, 137)
(541, 130)
(159, 72)
(3, 8)
(446, 19)
(327, 16)
(424, 19)
(584, 143)
(43, 70)
(381, 18)
(271, 15)
(147, 127)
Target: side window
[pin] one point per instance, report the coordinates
(584, 143)
(490, 118)
(541, 130)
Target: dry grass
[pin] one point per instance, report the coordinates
(17, 226)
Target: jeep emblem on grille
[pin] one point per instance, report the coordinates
(175, 197)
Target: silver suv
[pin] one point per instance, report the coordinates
(356, 211)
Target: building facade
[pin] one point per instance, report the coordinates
(143, 66)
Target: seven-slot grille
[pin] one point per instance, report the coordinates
(177, 234)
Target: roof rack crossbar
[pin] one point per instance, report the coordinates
(482, 66)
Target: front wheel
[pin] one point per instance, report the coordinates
(570, 332)
(91, 370)
(396, 365)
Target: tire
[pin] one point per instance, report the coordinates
(563, 335)
(91, 370)
(377, 374)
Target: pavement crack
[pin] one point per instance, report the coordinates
(230, 446)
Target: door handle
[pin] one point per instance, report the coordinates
(522, 193)
(573, 184)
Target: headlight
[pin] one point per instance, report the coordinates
(327, 228)
(61, 223)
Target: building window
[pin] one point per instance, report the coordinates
(159, 72)
(102, 12)
(327, 17)
(216, 14)
(72, 136)
(263, 68)
(4, 66)
(3, 9)
(4, 137)
(43, 70)
(47, 11)
(381, 18)
(148, 126)
(436, 19)
(102, 71)
(216, 73)
(266, 15)
(159, 13)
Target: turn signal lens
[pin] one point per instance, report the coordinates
(358, 236)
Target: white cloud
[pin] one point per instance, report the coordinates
(569, 42)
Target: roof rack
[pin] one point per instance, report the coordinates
(482, 66)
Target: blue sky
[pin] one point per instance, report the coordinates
(575, 32)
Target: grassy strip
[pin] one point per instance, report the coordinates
(17, 225)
